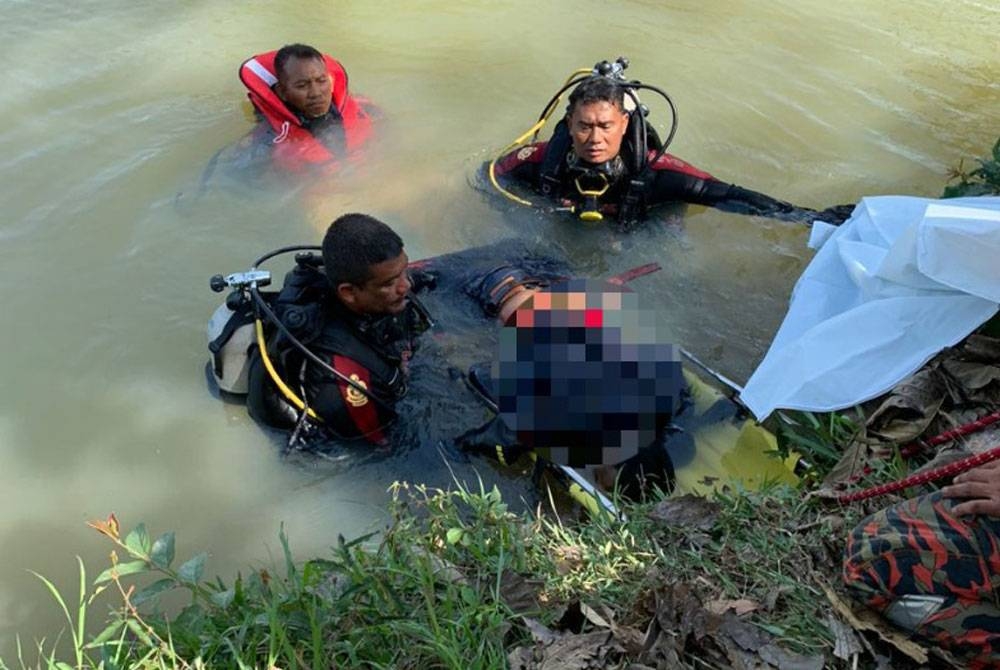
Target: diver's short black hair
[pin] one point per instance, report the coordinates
(596, 89)
(293, 51)
(353, 244)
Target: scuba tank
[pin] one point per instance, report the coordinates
(231, 338)
(231, 330)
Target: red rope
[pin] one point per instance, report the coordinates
(634, 273)
(914, 448)
(949, 470)
(931, 475)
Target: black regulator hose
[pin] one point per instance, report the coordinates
(629, 87)
(261, 306)
(673, 116)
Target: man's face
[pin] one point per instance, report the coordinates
(385, 292)
(304, 85)
(597, 129)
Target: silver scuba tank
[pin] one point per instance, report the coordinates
(230, 355)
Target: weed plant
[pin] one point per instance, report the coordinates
(983, 180)
(430, 591)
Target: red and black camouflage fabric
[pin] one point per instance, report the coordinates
(932, 573)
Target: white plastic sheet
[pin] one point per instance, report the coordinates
(900, 280)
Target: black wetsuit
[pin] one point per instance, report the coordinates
(553, 170)
(469, 286)
(374, 351)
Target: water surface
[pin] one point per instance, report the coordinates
(108, 237)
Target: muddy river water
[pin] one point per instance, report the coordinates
(108, 233)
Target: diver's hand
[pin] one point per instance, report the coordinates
(980, 487)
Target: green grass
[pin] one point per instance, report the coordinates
(429, 592)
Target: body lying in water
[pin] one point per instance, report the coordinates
(604, 391)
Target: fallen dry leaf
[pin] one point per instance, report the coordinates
(866, 620)
(739, 607)
(593, 617)
(845, 641)
(579, 652)
(539, 632)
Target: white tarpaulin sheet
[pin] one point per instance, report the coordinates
(900, 280)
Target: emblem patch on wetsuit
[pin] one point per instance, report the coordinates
(355, 397)
(525, 153)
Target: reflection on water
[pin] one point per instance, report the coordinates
(108, 236)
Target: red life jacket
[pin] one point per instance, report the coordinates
(295, 148)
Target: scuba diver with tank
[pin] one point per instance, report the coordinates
(327, 357)
(606, 160)
(331, 361)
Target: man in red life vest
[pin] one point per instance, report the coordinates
(302, 95)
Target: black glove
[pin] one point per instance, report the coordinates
(494, 441)
(758, 203)
(836, 214)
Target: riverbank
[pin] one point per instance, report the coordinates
(458, 581)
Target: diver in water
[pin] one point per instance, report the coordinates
(307, 115)
(332, 361)
(605, 160)
(331, 356)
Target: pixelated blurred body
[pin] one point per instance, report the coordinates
(577, 374)
(582, 377)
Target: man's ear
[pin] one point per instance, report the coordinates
(279, 90)
(347, 293)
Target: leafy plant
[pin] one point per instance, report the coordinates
(817, 438)
(984, 180)
(434, 589)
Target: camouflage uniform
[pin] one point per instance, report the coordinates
(932, 573)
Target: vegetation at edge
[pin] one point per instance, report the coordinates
(432, 590)
(983, 180)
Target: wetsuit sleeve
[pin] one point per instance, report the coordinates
(676, 180)
(487, 274)
(521, 165)
(346, 411)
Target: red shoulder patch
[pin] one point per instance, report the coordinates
(671, 163)
(360, 407)
(532, 153)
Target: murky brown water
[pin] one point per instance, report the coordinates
(113, 109)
